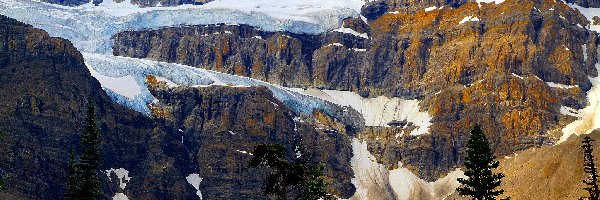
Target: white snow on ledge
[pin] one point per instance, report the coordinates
(376, 111)
(562, 86)
(352, 31)
(432, 8)
(468, 19)
(375, 181)
(565, 110)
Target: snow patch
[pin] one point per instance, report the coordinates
(468, 19)
(125, 86)
(335, 44)
(122, 174)
(430, 8)
(377, 111)
(565, 110)
(352, 32)
(515, 75)
(124, 178)
(584, 49)
(194, 180)
(170, 83)
(374, 181)
(562, 86)
(244, 152)
(120, 196)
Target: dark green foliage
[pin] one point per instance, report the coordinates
(73, 176)
(283, 174)
(589, 167)
(90, 158)
(314, 186)
(481, 183)
(300, 176)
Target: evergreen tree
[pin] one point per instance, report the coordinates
(73, 176)
(590, 168)
(90, 158)
(313, 185)
(300, 175)
(481, 182)
(280, 177)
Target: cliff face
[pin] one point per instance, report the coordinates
(205, 131)
(282, 58)
(375, 9)
(219, 127)
(46, 87)
(508, 66)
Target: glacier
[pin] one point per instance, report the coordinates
(121, 67)
(90, 27)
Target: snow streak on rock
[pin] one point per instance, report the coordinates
(374, 181)
(588, 117)
(194, 180)
(123, 176)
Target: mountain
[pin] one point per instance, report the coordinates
(384, 93)
(205, 131)
(505, 86)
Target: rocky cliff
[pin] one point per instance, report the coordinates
(205, 133)
(510, 67)
(374, 9)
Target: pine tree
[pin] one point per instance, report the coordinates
(90, 158)
(280, 177)
(73, 176)
(590, 168)
(313, 185)
(301, 175)
(481, 182)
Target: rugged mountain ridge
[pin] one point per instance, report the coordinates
(510, 67)
(585, 3)
(141, 3)
(205, 131)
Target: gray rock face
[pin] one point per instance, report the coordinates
(49, 86)
(282, 58)
(220, 124)
(492, 70)
(374, 9)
